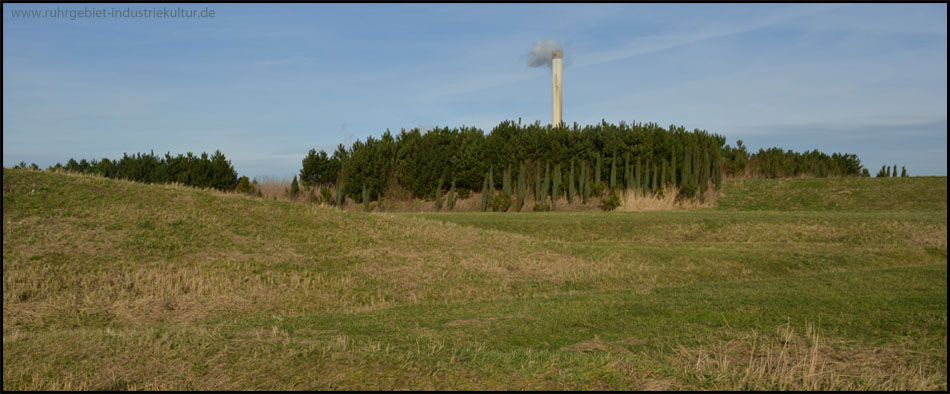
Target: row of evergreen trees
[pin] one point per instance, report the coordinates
(776, 163)
(631, 153)
(416, 161)
(214, 171)
(886, 171)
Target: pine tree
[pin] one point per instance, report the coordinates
(506, 182)
(653, 184)
(663, 166)
(570, 184)
(365, 198)
(704, 175)
(546, 185)
(537, 182)
(491, 182)
(613, 172)
(585, 184)
(438, 196)
(597, 169)
(555, 185)
(717, 174)
(903, 171)
(637, 175)
(294, 189)
(340, 198)
(894, 171)
(672, 179)
(522, 179)
(486, 194)
(452, 195)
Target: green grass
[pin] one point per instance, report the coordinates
(116, 285)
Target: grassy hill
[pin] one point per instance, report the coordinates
(115, 285)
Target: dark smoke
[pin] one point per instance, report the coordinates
(541, 54)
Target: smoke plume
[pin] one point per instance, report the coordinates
(541, 54)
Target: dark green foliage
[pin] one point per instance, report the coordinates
(903, 171)
(865, 173)
(244, 186)
(717, 174)
(486, 194)
(464, 193)
(416, 160)
(452, 195)
(597, 169)
(612, 201)
(570, 184)
(340, 196)
(597, 189)
(537, 181)
(653, 184)
(294, 189)
(556, 185)
(883, 172)
(319, 169)
(613, 172)
(585, 184)
(522, 179)
(365, 198)
(500, 203)
(491, 180)
(506, 181)
(438, 196)
(663, 175)
(546, 184)
(379, 202)
(199, 171)
(326, 195)
(894, 171)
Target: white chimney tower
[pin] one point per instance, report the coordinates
(556, 71)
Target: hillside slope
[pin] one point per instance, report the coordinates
(116, 285)
(836, 194)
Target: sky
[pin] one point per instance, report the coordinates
(265, 83)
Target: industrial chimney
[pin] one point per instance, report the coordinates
(556, 86)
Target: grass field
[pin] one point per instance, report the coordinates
(786, 284)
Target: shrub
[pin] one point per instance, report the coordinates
(464, 192)
(500, 203)
(687, 191)
(597, 189)
(612, 201)
(326, 195)
(244, 186)
(294, 189)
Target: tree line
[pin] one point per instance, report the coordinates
(214, 171)
(562, 160)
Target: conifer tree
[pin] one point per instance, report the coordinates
(717, 174)
(365, 198)
(570, 184)
(294, 189)
(537, 182)
(452, 195)
(522, 178)
(672, 179)
(585, 184)
(637, 175)
(485, 194)
(903, 171)
(506, 182)
(438, 196)
(653, 184)
(597, 169)
(546, 185)
(555, 185)
(613, 172)
(340, 198)
(663, 166)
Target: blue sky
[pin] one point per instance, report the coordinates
(266, 83)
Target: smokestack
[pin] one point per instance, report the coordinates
(556, 87)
